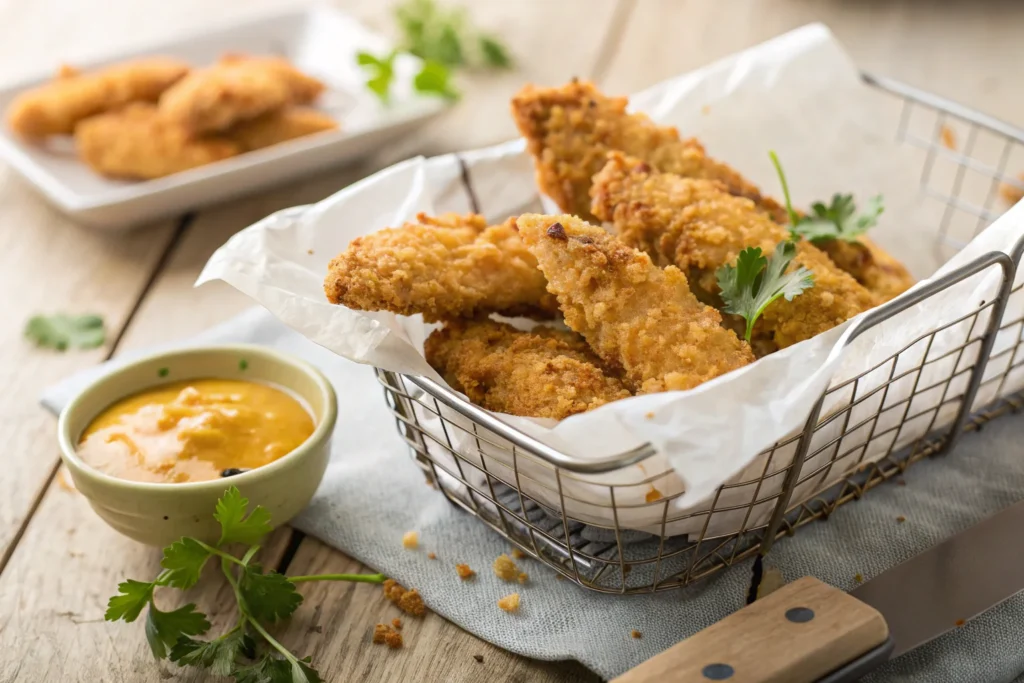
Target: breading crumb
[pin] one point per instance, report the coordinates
(559, 577)
(653, 495)
(397, 623)
(649, 416)
(309, 251)
(464, 571)
(901, 519)
(948, 137)
(479, 658)
(523, 577)
(509, 603)
(411, 540)
(382, 633)
(517, 554)
(431, 556)
(409, 601)
(505, 568)
(635, 633)
(858, 578)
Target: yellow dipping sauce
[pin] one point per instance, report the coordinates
(193, 431)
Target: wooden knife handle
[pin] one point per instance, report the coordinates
(798, 634)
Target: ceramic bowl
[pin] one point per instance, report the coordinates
(159, 513)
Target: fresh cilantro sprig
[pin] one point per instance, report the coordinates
(444, 39)
(837, 220)
(62, 331)
(756, 281)
(247, 652)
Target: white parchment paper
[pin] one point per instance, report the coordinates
(799, 94)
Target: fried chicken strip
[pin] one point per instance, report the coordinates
(236, 89)
(634, 314)
(541, 373)
(137, 143)
(571, 129)
(280, 126)
(55, 108)
(698, 226)
(446, 267)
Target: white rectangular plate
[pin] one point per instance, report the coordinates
(319, 40)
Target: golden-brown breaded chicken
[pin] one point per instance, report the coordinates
(446, 267)
(55, 108)
(236, 89)
(699, 227)
(541, 373)
(870, 265)
(634, 314)
(280, 126)
(570, 130)
(138, 143)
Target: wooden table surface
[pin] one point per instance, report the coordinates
(59, 562)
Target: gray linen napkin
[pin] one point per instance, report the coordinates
(372, 494)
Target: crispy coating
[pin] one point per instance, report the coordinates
(870, 265)
(699, 227)
(446, 267)
(55, 108)
(280, 126)
(571, 129)
(236, 89)
(137, 143)
(542, 373)
(633, 313)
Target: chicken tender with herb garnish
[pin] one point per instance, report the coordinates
(58, 106)
(542, 373)
(699, 227)
(571, 129)
(870, 265)
(634, 314)
(450, 266)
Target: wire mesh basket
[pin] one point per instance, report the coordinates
(861, 432)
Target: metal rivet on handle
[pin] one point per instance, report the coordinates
(717, 672)
(800, 615)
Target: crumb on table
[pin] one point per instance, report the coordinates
(431, 556)
(517, 554)
(635, 634)
(901, 519)
(858, 578)
(396, 623)
(409, 601)
(509, 603)
(464, 571)
(479, 658)
(382, 633)
(523, 577)
(410, 540)
(505, 568)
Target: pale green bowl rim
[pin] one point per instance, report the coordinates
(316, 440)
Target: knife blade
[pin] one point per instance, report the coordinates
(808, 631)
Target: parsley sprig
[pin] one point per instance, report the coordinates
(756, 281)
(247, 652)
(837, 220)
(62, 331)
(444, 39)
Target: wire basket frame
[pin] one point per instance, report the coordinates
(860, 433)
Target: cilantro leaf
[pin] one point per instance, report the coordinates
(62, 331)
(381, 73)
(235, 527)
(494, 53)
(432, 33)
(271, 669)
(163, 629)
(220, 655)
(434, 78)
(269, 597)
(185, 558)
(133, 596)
(755, 282)
(838, 220)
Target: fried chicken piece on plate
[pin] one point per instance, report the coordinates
(280, 126)
(699, 227)
(236, 89)
(451, 266)
(56, 107)
(634, 314)
(137, 143)
(570, 130)
(542, 373)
